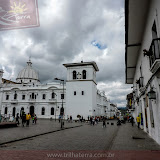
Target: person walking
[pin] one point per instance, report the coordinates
(132, 120)
(23, 117)
(93, 121)
(17, 118)
(71, 119)
(28, 116)
(138, 120)
(35, 118)
(104, 123)
(59, 118)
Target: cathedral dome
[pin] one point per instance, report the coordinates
(28, 74)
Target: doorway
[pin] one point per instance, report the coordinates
(31, 110)
(14, 112)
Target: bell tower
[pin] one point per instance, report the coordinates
(81, 88)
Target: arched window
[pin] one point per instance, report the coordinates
(74, 75)
(84, 74)
(32, 95)
(53, 95)
(6, 110)
(15, 96)
(43, 111)
(52, 111)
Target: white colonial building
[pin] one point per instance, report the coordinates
(79, 96)
(143, 61)
(29, 95)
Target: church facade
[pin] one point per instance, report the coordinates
(79, 96)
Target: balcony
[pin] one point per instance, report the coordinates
(52, 100)
(32, 100)
(154, 56)
(14, 101)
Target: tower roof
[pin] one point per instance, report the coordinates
(82, 64)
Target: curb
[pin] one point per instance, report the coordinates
(16, 140)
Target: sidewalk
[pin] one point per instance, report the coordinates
(42, 127)
(131, 138)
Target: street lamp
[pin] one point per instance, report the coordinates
(62, 97)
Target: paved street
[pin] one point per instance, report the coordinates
(42, 127)
(90, 138)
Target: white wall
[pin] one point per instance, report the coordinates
(154, 132)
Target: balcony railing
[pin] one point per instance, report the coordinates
(14, 101)
(154, 51)
(32, 100)
(52, 100)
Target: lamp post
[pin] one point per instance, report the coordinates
(62, 97)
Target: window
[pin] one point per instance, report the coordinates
(23, 97)
(84, 74)
(52, 111)
(15, 96)
(62, 96)
(74, 92)
(74, 75)
(43, 111)
(6, 110)
(44, 96)
(7, 97)
(32, 95)
(82, 92)
(30, 81)
(53, 95)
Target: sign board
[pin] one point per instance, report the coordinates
(16, 14)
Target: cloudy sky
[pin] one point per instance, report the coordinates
(71, 31)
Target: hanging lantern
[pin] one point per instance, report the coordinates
(152, 94)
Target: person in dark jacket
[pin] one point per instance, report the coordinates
(17, 118)
(132, 120)
(23, 118)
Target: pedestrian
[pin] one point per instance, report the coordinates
(59, 118)
(5, 118)
(35, 118)
(104, 123)
(17, 118)
(28, 116)
(23, 117)
(71, 119)
(138, 120)
(93, 121)
(132, 120)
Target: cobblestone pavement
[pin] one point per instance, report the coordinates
(88, 137)
(116, 139)
(42, 126)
